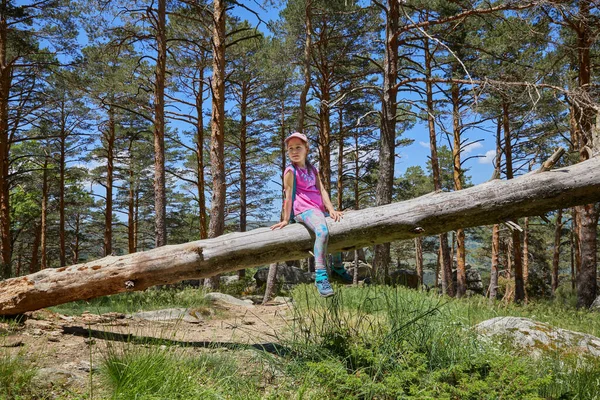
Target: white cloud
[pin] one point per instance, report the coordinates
(488, 158)
(471, 146)
(424, 144)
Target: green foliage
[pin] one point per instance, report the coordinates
(150, 299)
(16, 374)
(388, 343)
(165, 373)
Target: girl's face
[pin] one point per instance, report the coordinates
(297, 150)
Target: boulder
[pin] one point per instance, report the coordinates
(227, 299)
(474, 282)
(405, 277)
(537, 337)
(285, 275)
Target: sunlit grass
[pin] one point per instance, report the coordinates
(150, 299)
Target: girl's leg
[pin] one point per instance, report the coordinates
(315, 221)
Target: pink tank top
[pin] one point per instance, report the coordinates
(308, 195)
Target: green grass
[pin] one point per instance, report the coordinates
(388, 343)
(171, 373)
(371, 342)
(16, 373)
(131, 302)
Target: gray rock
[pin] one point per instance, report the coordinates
(170, 314)
(229, 279)
(227, 299)
(48, 378)
(285, 275)
(596, 304)
(538, 337)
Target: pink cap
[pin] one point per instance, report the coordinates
(298, 135)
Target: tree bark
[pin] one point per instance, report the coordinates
(61, 190)
(483, 204)
(160, 197)
(493, 289)
(217, 142)
(446, 262)
(387, 144)
(461, 274)
(131, 239)
(5, 84)
(44, 222)
(525, 255)
(419, 260)
(110, 144)
(35, 249)
(517, 254)
(340, 164)
(203, 220)
(271, 281)
(556, 252)
(243, 158)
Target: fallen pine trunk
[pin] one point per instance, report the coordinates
(491, 202)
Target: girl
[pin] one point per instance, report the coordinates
(309, 204)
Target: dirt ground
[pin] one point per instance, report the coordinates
(65, 358)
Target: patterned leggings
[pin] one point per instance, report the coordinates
(314, 219)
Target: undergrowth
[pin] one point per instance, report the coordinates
(130, 302)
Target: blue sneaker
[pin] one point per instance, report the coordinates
(340, 274)
(324, 288)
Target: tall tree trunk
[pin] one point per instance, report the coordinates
(160, 197)
(461, 274)
(61, 188)
(525, 255)
(387, 144)
(34, 264)
(200, 156)
(419, 260)
(573, 268)
(587, 284)
(243, 157)
(131, 242)
(5, 83)
(306, 60)
(516, 235)
(325, 136)
(76, 234)
(217, 122)
(446, 262)
(340, 164)
(110, 144)
(493, 288)
(556, 252)
(271, 281)
(44, 223)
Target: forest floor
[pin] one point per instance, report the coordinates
(66, 359)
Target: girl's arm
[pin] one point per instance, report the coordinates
(288, 183)
(336, 215)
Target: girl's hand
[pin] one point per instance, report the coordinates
(280, 225)
(336, 215)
